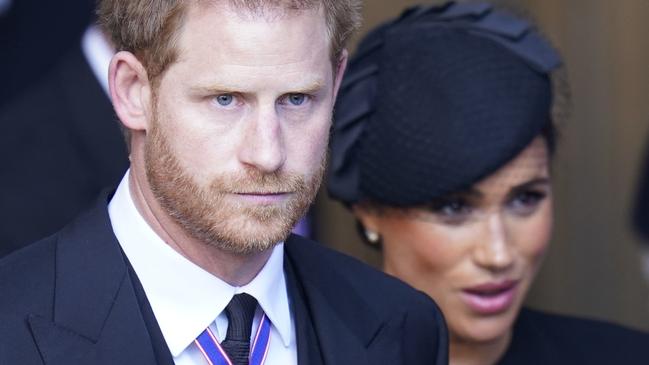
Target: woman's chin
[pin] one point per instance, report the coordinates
(485, 329)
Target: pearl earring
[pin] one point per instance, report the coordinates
(372, 236)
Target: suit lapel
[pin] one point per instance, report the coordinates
(160, 349)
(308, 348)
(345, 326)
(96, 317)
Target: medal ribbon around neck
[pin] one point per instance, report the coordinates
(215, 355)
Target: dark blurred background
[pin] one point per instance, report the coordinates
(34, 34)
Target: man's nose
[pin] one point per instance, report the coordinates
(263, 145)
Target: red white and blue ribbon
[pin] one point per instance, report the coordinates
(215, 355)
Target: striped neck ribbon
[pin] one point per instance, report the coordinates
(215, 355)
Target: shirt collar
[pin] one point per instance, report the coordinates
(185, 299)
(269, 288)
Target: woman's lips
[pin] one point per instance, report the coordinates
(490, 298)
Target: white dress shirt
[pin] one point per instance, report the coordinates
(186, 299)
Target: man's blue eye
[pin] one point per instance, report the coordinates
(224, 100)
(296, 99)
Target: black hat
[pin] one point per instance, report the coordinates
(436, 100)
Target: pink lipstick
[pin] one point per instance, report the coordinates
(490, 298)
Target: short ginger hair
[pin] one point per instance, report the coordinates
(150, 28)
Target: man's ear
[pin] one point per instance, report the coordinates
(130, 91)
(340, 71)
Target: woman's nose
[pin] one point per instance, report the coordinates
(494, 251)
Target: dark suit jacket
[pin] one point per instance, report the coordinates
(69, 299)
(60, 145)
(541, 338)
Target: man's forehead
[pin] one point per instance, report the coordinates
(245, 36)
(217, 49)
(267, 9)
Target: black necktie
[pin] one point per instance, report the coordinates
(240, 312)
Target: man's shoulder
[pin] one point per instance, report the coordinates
(31, 271)
(364, 295)
(375, 286)
(27, 278)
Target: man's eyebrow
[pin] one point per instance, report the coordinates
(213, 89)
(307, 88)
(310, 88)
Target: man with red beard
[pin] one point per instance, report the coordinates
(226, 108)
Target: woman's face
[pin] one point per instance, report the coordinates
(475, 252)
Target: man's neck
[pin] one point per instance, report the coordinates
(234, 269)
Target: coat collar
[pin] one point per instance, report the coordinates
(343, 320)
(96, 316)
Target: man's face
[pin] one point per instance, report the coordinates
(236, 148)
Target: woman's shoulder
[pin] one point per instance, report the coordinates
(558, 339)
(560, 326)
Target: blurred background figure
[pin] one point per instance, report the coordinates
(60, 143)
(33, 35)
(4, 7)
(443, 135)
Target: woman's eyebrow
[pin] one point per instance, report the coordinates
(534, 182)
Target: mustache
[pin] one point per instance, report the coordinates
(254, 181)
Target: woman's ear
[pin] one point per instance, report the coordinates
(130, 91)
(369, 226)
(365, 217)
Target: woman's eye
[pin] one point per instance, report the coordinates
(225, 99)
(526, 202)
(452, 211)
